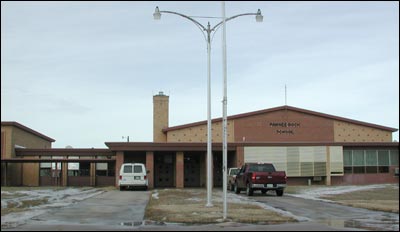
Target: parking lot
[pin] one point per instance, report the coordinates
(112, 209)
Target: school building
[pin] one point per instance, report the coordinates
(310, 146)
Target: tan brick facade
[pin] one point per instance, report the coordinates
(160, 117)
(14, 134)
(283, 126)
(348, 132)
(199, 133)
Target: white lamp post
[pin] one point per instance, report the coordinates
(208, 30)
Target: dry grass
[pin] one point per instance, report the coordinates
(188, 206)
(383, 199)
(20, 206)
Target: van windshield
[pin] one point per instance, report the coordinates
(137, 169)
(128, 169)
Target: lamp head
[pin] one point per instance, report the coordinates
(259, 17)
(157, 14)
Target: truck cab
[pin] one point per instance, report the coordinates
(260, 176)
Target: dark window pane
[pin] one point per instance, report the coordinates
(359, 169)
(137, 169)
(383, 158)
(348, 170)
(101, 173)
(347, 158)
(372, 169)
(45, 172)
(358, 158)
(383, 169)
(84, 172)
(371, 158)
(394, 157)
(128, 169)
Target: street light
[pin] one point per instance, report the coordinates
(208, 38)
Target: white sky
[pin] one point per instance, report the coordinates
(84, 73)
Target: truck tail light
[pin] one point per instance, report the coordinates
(120, 177)
(253, 177)
(145, 177)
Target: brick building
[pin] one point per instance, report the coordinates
(308, 145)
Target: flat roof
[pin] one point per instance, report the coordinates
(63, 152)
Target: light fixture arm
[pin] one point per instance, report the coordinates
(199, 25)
(230, 18)
(203, 28)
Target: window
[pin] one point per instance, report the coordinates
(348, 170)
(383, 169)
(369, 161)
(383, 158)
(137, 169)
(371, 158)
(45, 172)
(261, 168)
(347, 158)
(358, 158)
(127, 169)
(394, 157)
(359, 169)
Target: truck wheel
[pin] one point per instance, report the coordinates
(249, 190)
(279, 192)
(237, 190)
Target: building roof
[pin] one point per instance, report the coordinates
(285, 107)
(27, 129)
(202, 146)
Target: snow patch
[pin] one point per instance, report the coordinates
(54, 197)
(315, 193)
(155, 195)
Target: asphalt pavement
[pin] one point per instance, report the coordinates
(116, 210)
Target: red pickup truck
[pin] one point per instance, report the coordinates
(260, 176)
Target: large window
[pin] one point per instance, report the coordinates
(104, 169)
(369, 161)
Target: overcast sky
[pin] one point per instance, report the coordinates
(84, 73)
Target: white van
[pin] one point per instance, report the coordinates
(132, 175)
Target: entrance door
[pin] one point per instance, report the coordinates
(217, 174)
(164, 170)
(192, 170)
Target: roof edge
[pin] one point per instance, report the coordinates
(285, 107)
(27, 129)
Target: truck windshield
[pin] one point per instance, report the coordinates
(262, 168)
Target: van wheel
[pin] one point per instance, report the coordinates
(121, 188)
